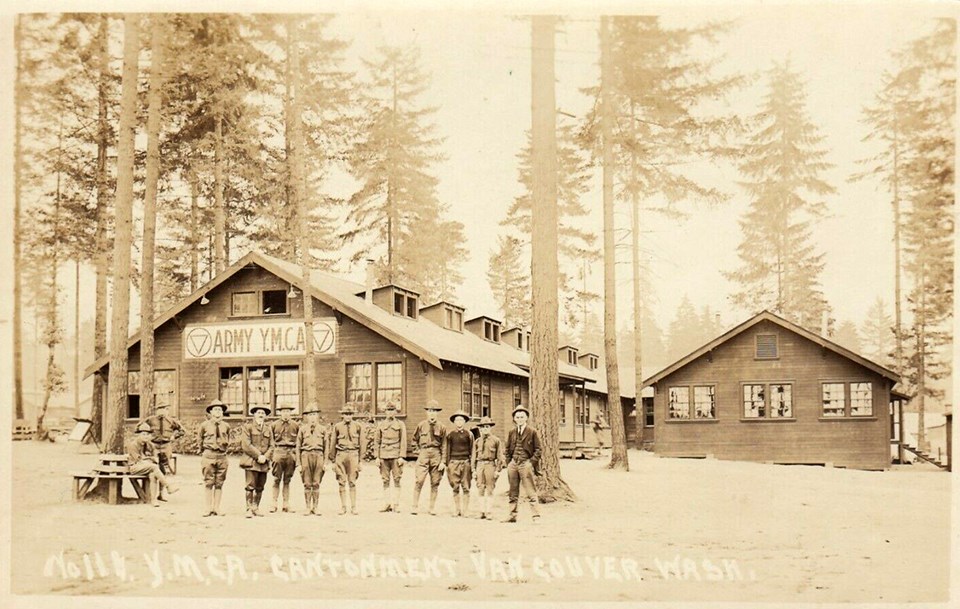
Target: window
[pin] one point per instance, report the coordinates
(405, 303)
(647, 412)
(520, 340)
(754, 401)
(475, 389)
(834, 400)
(517, 394)
(571, 357)
(781, 401)
(274, 302)
(389, 385)
(861, 399)
(164, 392)
(592, 362)
(286, 387)
(360, 386)
(773, 401)
(563, 407)
(678, 403)
(411, 307)
(458, 321)
(244, 303)
(242, 388)
(491, 330)
(398, 303)
(704, 402)
(453, 319)
(767, 347)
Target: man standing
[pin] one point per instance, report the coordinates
(214, 438)
(390, 449)
(284, 455)
(165, 430)
(311, 450)
(458, 460)
(430, 438)
(143, 460)
(523, 451)
(488, 459)
(256, 441)
(345, 443)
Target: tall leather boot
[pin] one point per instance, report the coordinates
(353, 500)
(249, 504)
(286, 498)
(208, 496)
(466, 504)
(217, 494)
(308, 500)
(415, 507)
(343, 501)
(396, 498)
(257, 496)
(456, 502)
(316, 500)
(386, 499)
(433, 501)
(276, 494)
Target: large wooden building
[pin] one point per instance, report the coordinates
(771, 391)
(241, 338)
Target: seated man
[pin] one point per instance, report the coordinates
(144, 460)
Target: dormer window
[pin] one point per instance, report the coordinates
(405, 303)
(526, 342)
(571, 357)
(452, 318)
(520, 340)
(491, 330)
(593, 362)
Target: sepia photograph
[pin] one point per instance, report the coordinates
(478, 304)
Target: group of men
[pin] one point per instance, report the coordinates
(285, 445)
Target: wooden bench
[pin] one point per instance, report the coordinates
(85, 482)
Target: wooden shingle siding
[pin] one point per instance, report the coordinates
(807, 437)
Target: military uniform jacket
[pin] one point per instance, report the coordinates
(213, 435)
(256, 441)
(489, 448)
(314, 436)
(423, 438)
(346, 436)
(285, 432)
(530, 442)
(142, 449)
(390, 440)
(164, 429)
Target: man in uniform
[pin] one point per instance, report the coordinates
(458, 460)
(390, 449)
(311, 450)
(213, 437)
(430, 438)
(488, 459)
(523, 451)
(143, 460)
(284, 455)
(165, 430)
(346, 441)
(257, 444)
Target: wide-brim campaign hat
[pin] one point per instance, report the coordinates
(520, 408)
(143, 427)
(216, 403)
(286, 407)
(263, 408)
(311, 409)
(460, 413)
(486, 422)
(159, 406)
(348, 410)
(433, 405)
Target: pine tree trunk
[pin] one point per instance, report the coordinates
(194, 242)
(921, 323)
(76, 339)
(295, 172)
(219, 212)
(157, 44)
(618, 434)
(544, 386)
(101, 244)
(17, 177)
(637, 302)
(898, 321)
(120, 302)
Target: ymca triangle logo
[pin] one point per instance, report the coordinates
(199, 342)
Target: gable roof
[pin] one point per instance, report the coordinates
(776, 319)
(430, 342)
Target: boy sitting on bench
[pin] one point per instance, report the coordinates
(144, 460)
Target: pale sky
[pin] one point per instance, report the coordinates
(480, 68)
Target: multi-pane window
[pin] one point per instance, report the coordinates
(389, 385)
(242, 388)
(475, 389)
(563, 407)
(405, 303)
(517, 394)
(648, 419)
(133, 394)
(754, 401)
(861, 399)
(704, 402)
(491, 331)
(834, 400)
(286, 387)
(678, 403)
(244, 303)
(453, 319)
(571, 357)
(360, 386)
(781, 401)
(164, 392)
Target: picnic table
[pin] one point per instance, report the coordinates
(111, 471)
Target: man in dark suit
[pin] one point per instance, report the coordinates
(523, 454)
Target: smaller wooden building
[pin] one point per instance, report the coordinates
(771, 391)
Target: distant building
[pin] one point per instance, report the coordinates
(771, 391)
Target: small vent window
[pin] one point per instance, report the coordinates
(767, 347)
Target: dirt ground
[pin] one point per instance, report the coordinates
(669, 530)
